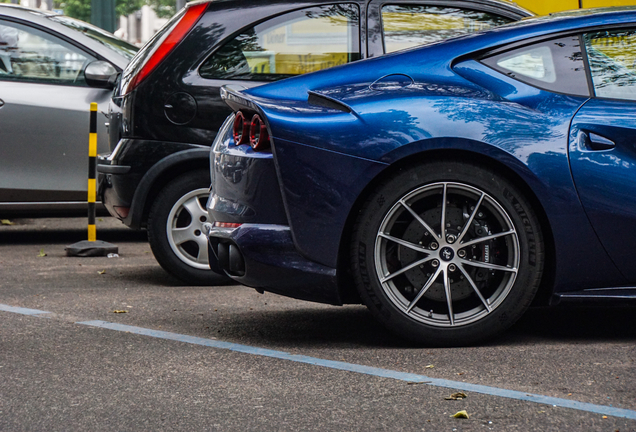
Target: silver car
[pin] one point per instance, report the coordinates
(51, 68)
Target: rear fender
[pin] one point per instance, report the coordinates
(159, 175)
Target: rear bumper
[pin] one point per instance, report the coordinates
(111, 179)
(263, 256)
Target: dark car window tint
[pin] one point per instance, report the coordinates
(612, 59)
(555, 65)
(27, 54)
(405, 26)
(292, 44)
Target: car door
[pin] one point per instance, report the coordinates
(44, 114)
(603, 144)
(398, 24)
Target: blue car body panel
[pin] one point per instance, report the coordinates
(335, 132)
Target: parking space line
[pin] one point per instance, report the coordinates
(349, 367)
(369, 370)
(22, 311)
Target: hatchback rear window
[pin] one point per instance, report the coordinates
(298, 42)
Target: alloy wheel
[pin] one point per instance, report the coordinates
(447, 254)
(185, 229)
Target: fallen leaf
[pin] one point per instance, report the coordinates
(460, 414)
(42, 253)
(604, 417)
(6, 222)
(120, 311)
(457, 396)
(101, 272)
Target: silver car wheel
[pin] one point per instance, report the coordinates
(185, 229)
(447, 254)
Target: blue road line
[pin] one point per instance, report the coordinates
(349, 367)
(22, 311)
(369, 370)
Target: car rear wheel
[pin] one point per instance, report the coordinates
(447, 253)
(175, 230)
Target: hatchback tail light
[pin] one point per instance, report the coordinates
(176, 35)
(259, 137)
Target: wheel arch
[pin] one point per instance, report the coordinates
(346, 283)
(157, 177)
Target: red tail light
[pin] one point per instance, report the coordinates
(259, 137)
(177, 34)
(241, 129)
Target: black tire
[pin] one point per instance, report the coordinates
(185, 257)
(490, 277)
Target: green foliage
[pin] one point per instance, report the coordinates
(163, 8)
(81, 9)
(127, 7)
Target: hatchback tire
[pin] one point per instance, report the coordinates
(175, 230)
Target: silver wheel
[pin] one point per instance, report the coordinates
(184, 229)
(447, 254)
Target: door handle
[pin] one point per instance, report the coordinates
(596, 142)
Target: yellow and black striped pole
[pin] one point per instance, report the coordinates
(92, 173)
(92, 247)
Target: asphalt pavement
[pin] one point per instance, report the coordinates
(116, 344)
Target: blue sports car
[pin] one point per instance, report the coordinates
(447, 187)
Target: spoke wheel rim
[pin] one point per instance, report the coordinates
(184, 229)
(447, 254)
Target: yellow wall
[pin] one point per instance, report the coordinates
(544, 7)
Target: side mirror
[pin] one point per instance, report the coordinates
(100, 74)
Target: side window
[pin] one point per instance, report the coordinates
(612, 59)
(556, 65)
(31, 55)
(292, 44)
(405, 26)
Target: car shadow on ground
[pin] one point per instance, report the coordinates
(65, 231)
(577, 322)
(310, 328)
(69, 236)
(355, 326)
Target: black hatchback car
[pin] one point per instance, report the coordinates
(166, 109)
